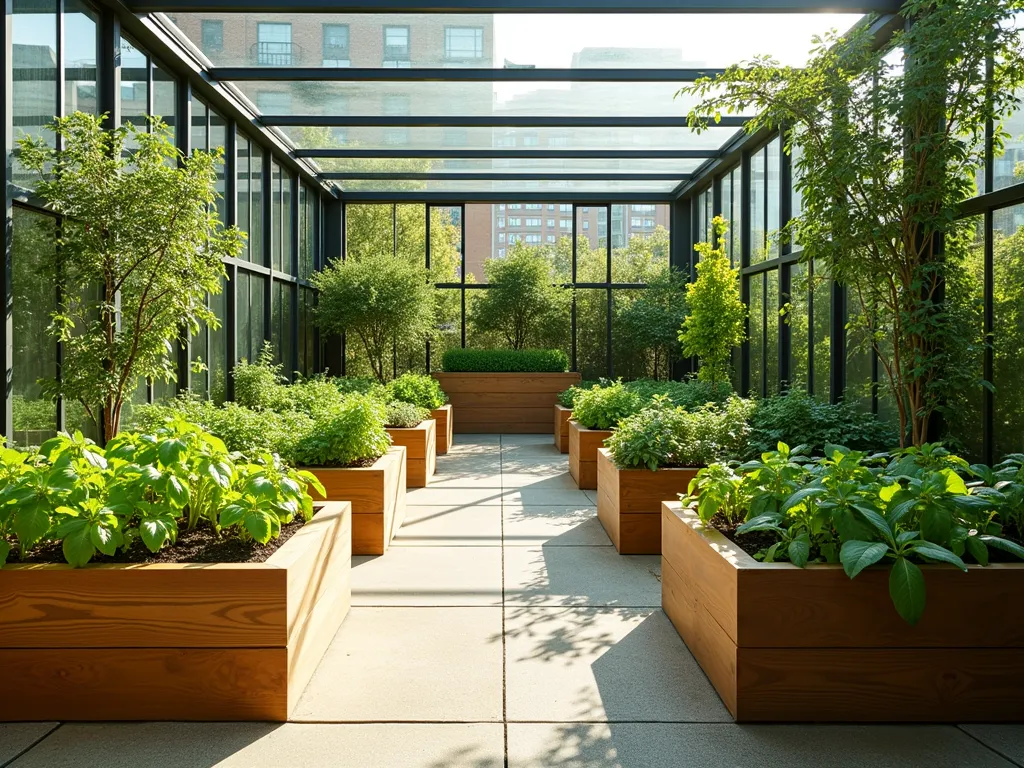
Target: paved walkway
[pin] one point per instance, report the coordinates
(502, 629)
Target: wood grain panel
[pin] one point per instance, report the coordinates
(472, 414)
(445, 423)
(505, 383)
(641, 490)
(145, 684)
(186, 605)
(710, 645)
(420, 443)
(363, 486)
(561, 427)
(935, 685)
(509, 427)
(583, 446)
(640, 534)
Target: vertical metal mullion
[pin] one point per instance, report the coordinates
(60, 411)
(426, 225)
(785, 344)
(462, 270)
(988, 358)
(608, 279)
(183, 141)
(763, 277)
(837, 386)
(810, 328)
(267, 205)
(344, 255)
(149, 129)
(745, 248)
(294, 184)
(7, 326)
(572, 309)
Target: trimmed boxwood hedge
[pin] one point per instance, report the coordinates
(505, 361)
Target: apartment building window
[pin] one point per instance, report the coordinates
(534, 207)
(551, 238)
(565, 223)
(649, 223)
(336, 42)
(212, 35)
(501, 237)
(501, 253)
(636, 222)
(513, 238)
(533, 239)
(501, 221)
(463, 43)
(551, 223)
(643, 209)
(558, 141)
(531, 140)
(533, 222)
(565, 208)
(586, 224)
(514, 206)
(586, 209)
(515, 221)
(274, 45)
(508, 140)
(396, 47)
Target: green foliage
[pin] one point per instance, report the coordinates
(351, 434)
(651, 323)
(424, 391)
(379, 299)
(797, 418)
(257, 383)
(142, 487)
(568, 396)
(887, 149)
(522, 302)
(664, 435)
(363, 385)
(859, 510)
(688, 394)
(604, 407)
(404, 415)
(505, 361)
(714, 324)
(140, 249)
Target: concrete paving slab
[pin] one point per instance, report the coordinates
(1007, 740)
(536, 483)
(431, 576)
(552, 526)
(707, 745)
(15, 738)
(596, 576)
(453, 526)
(602, 664)
(262, 745)
(439, 495)
(527, 496)
(409, 664)
(592, 495)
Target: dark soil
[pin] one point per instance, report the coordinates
(751, 543)
(351, 465)
(196, 546)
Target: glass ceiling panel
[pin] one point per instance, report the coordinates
(512, 187)
(451, 99)
(508, 138)
(502, 165)
(503, 40)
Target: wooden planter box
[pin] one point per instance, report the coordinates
(164, 641)
(420, 443)
(513, 403)
(629, 502)
(445, 422)
(781, 643)
(562, 417)
(377, 494)
(583, 446)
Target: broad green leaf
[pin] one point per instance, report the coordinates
(313, 481)
(977, 549)
(261, 487)
(858, 555)
(77, 545)
(154, 532)
(935, 552)
(888, 492)
(876, 522)
(907, 590)
(800, 550)
(259, 525)
(171, 451)
(5, 551)
(177, 491)
(800, 496)
(231, 515)
(954, 483)
(1004, 544)
(30, 524)
(936, 524)
(760, 523)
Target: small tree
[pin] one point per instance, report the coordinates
(651, 323)
(380, 299)
(888, 150)
(140, 248)
(714, 324)
(522, 304)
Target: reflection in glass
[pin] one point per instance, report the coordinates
(821, 332)
(771, 335)
(79, 58)
(799, 333)
(756, 335)
(1008, 329)
(758, 221)
(33, 30)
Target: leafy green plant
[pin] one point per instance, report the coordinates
(505, 361)
(350, 435)
(522, 299)
(797, 418)
(652, 321)
(604, 407)
(418, 389)
(257, 383)
(716, 313)
(363, 385)
(568, 396)
(141, 247)
(664, 435)
(378, 299)
(142, 487)
(404, 415)
(688, 394)
(886, 150)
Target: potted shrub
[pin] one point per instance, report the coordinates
(426, 392)
(756, 579)
(348, 450)
(596, 412)
(163, 578)
(505, 390)
(412, 428)
(653, 456)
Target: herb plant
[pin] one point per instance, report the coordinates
(424, 391)
(404, 415)
(567, 397)
(351, 434)
(604, 407)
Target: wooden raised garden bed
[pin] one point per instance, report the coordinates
(445, 422)
(377, 494)
(629, 502)
(514, 403)
(788, 644)
(420, 443)
(562, 417)
(583, 446)
(162, 641)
